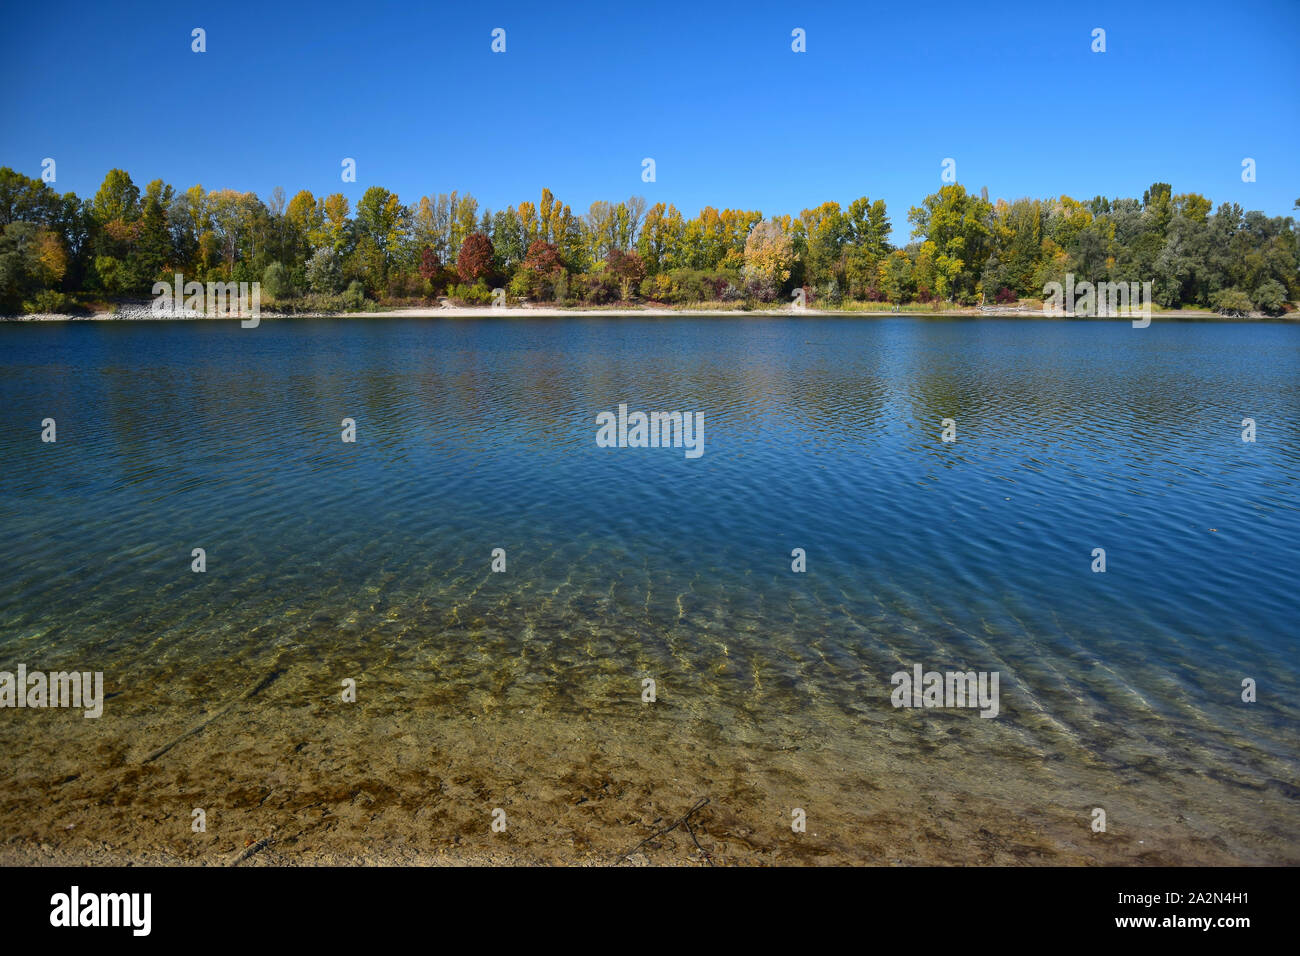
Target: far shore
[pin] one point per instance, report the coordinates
(142, 312)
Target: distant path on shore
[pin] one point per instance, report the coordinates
(144, 314)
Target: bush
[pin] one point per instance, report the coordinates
(627, 268)
(561, 286)
(600, 288)
(406, 285)
(324, 272)
(521, 285)
(317, 302)
(354, 299)
(761, 289)
(1231, 302)
(51, 302)
(691, 285)
(1270, 297)
(275, 281)
(657, 288)
(465, 294)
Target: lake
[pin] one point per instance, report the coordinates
(648, 644)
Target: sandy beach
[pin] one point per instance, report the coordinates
(276, 796)
(142, 312)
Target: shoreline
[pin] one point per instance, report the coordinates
(33, 854)
(144, 314)
(297, 780)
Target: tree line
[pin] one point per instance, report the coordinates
(61, 253)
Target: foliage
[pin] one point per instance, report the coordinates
(1270, 297)
(769, 254)
(275, 281)
(475, 259)
(308, 249)
(1231, 302)
(354, 297)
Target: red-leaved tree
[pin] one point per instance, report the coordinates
(627, 267)
(542, 258)
(475, 259)
(429, 264)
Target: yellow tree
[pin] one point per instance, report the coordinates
(528, 223)
(769, 253)
(51, 259)
(334, 226)
(303, 217)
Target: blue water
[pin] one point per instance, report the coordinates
(820, 433)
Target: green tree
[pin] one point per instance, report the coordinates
(1270, 297)
(276, 283)
(118, 198)
(382, 219)
(958, 226)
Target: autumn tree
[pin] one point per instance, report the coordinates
(769, 254)
(475, 259)
(118, 198)
(430, 266)
(956, 227)
(542, 258)
(628, 268)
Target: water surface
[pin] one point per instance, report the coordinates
(522, 690)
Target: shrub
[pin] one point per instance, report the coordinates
(561, 286)
(275, 281)
(600, 288)
(405, 285)
(1231, 302)
(354, 299)
(51, 302)
(761, 289)
(627, 268)
(318, 302)
(1270, 297)
(324, 272)
(521, 285)
(465, 294)
(658, 288)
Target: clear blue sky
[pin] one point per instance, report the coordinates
(711, 91)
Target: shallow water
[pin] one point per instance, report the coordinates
(522, 690)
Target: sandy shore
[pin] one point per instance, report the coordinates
(144, 313)
(453, 312)
(287, 780)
